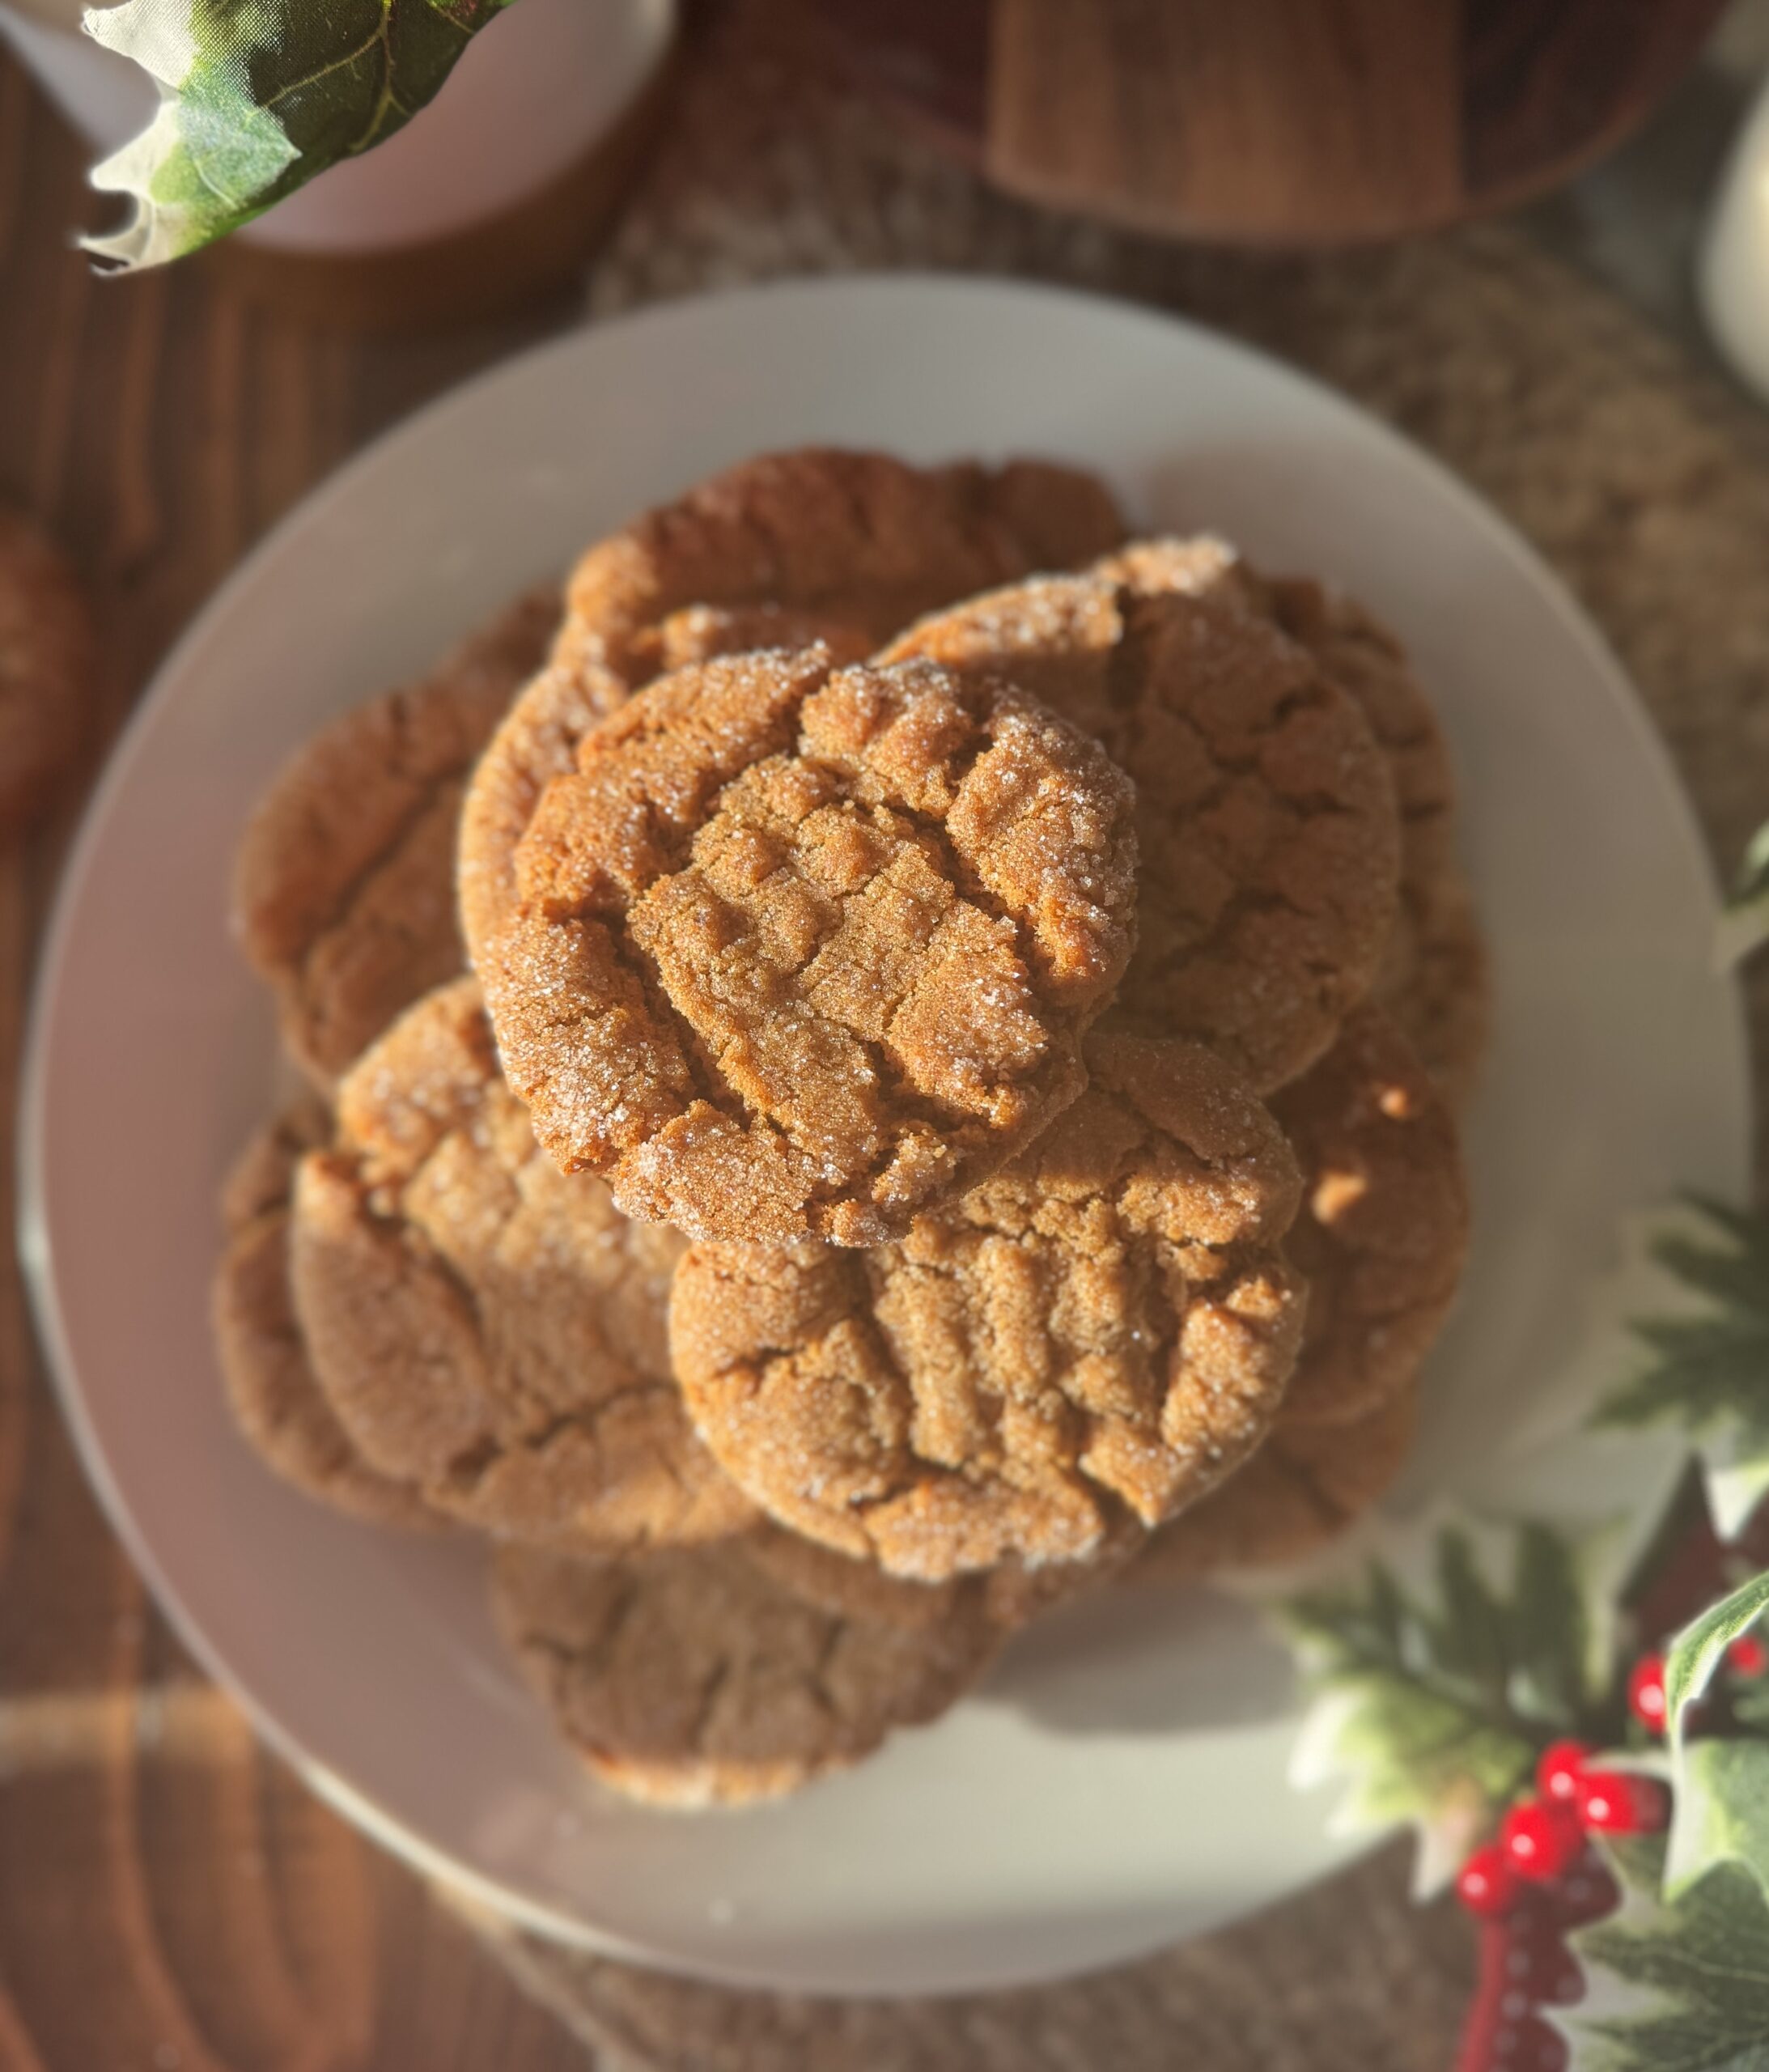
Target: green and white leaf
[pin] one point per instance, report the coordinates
(1721, 1784)
(256, 96)
(1720, 1811)
(1436, 1674)
(1699, 1650)
(1692, 1355)
(1677, 1985)
(1744, 925)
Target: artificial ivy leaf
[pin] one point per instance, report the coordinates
(1701, 1329)
(1680, 1984)
(1720, 1811)
(1692, 1657)
(257, 96)
(1745, 924)
(1750, 1706)
(1431, 1694)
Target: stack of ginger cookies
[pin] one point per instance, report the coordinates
(889, 1061)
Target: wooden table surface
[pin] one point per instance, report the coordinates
(170, 1895)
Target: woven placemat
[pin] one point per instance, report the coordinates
(1640, 477)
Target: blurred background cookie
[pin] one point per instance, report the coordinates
(343, 893)
(1383, 1229)
(694, 1676)
(1303, 1489)
(278, 1406)
(1433, 977)
(486, 1330)
(47, 664)
(1268, 882)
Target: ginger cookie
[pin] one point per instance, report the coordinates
(780, 551)
(1268, 835)
(1436, 983)
(802, 950)
(1433, 980)
(343, 890)
(691, 1677)
(818, 1575)
(485, 1328)
(1101, 1332)
(1012, 1594)
(1304, 1487)
(47, 665)
(1383, 1232)
(276, 1402)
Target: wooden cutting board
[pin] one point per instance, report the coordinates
(1274, 121)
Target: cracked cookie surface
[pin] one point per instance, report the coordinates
(1433, 979)
(343, 888)
(693, 1676)
(818, 544)
(1383, 1231)
(1013, 1593)
(1304, 1487)
(801, 950)
(1102, 1330)
(1269, 834)
(276, 1402)
(485, 1328)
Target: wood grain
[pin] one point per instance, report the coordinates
(1297, 122)
(1261, 120)
(172, 1899)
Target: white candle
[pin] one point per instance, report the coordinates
(1733, 274)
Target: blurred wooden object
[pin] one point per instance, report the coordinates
(1274, 121)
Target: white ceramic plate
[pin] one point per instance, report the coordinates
(1120, 1782)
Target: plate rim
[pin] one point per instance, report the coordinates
(34, 1246)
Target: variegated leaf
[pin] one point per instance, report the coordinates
(256, 96)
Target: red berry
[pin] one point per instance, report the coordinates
(1542, 1839)
(1646, 1692)
(1748, 1655)
(1556, 1774)
(1618, 1802)
(1487, 1885)
(1588, 1893)
(1535, 2047)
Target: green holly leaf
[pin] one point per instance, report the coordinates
(1700, 1327)
(259, 95)
(1672, 1985)
(1744, 925)
(1720, 1811)
(1431, 1695)
(1698, 1650)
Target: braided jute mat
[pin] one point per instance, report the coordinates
(1641, 479)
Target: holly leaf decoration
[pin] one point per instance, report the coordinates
(1743, 924)
(256, 96)
(1721, 1812)
(1720, 1784)
(1701, 1344)
(1677, 1983)
(1431, 1696)
(1698, 1650)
